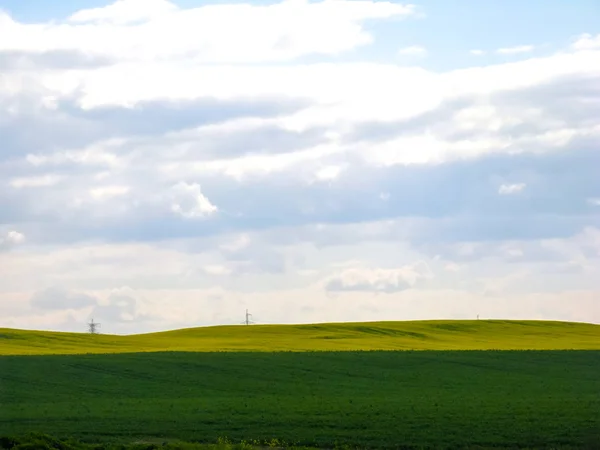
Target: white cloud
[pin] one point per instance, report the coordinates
(514, 252)
(587, 42)
(171, 298)
(15, 237)
(107, 192)
(36, 181)
(11, 238)
(328, 173)
(236, 244)
(189, 201)
(511, 189)
(127, 119)
(95, 155)
(160, 30)
(362, 279)
(413, 50)
(452, 267)
(594, 201)
(515, 50)
(217, 270)
(124, 12)
(588, 240)
(393, 94)
(477, 52)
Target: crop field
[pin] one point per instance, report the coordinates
(327, 399)
(417, 335)
(365, 399)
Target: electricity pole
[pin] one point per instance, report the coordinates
(248, 316)
(93, 327)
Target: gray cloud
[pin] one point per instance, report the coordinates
(460, 198)
(384, 286)
(377, 280)
(152, 118)
(119, 308)
(54, 59)
(68, 127)
(56, 298)
(374, 131)
(572, 101)
(263, 140)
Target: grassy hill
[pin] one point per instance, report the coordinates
(416, 335)
(311, 385)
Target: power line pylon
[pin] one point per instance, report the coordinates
(248, 320)
(93, 327)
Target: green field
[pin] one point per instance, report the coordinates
(217, 385)
(367, 399)
(418, 335)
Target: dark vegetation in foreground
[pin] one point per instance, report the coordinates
(426, 399)
(38, 441)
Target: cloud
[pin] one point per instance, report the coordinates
(515, 50)
(11, 239)
(36, 181)
(172, 297)
(217, 172)
(511, 189)
(582, 247)
(587, 42)
(252, 255)
(189, 202)
(107, 192)
(121, 306)
(125, 12)
(453, 267)
(477, 52)
(20, 60)
(328, 173)
(160, 30)
(413, 50)
(378, 280)
(236, 244)
(56, 298)
(217, 270)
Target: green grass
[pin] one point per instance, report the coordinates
(325, 385)
(418, 335)
(536, 399)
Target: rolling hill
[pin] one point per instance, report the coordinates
(414, 335)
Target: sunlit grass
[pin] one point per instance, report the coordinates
(416, 335)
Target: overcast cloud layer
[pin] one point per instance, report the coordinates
(165, 166)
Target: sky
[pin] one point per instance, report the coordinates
(172, 164)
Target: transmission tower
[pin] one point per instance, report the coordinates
(93, 327)
(248, 320)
